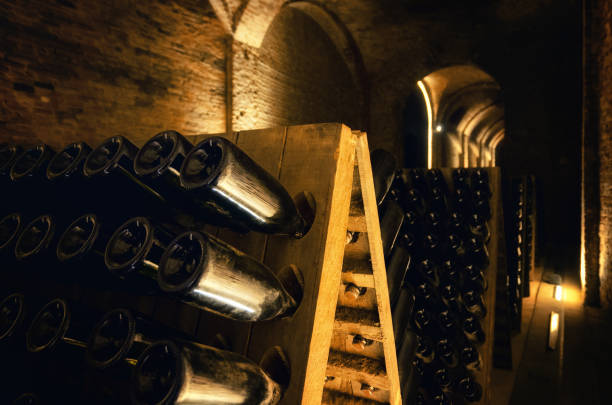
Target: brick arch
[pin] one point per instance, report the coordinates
(466, 104)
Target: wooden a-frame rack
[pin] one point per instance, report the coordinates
(339, 344)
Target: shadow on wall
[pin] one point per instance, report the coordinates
(454, 118)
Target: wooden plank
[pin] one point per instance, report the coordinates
(358, 272)
(318, 159)
(358, 368)
(377, 258)
(331, 397)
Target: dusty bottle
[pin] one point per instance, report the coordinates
(222, 178)
(167, 373)
(208, 273)
(10, 228)
(384, 166)
(134, 251)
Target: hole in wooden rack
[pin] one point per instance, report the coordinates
(292, 279)
(276, 364)
(307, 207)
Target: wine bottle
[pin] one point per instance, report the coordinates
(57, 338)
(470, 389)
(80, 249)
(479, 228)
(472, 330)
(429, 271)
(390, 224)
(118, 339)
(481, 203)
(480, 181)
(223, 178)
(402, 313)
(158, 164)
(36, 241)
(12, 323)
(406, 355)
(65, 175)
(474, 278)
(460, 177)
(413, 201)
(473, 303)
(209, 274)
(167, 373)
(462, 201)
(424, 349)
(8, 154)
(10, 228)
(28, 180)
(476, 253)
(110, 167)
(397, 268)
(470, 357)
(384, 166)
(134, 251)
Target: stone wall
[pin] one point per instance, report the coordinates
(88, 70)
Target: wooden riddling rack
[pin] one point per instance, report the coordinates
(331, 162)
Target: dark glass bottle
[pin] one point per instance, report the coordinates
(10, 228)
(384, 166)
(413, 201)
(462, 201)
(470, 357)
(402, 313)
(454, 247)
(405, 356)
(166, 371)
(223, 178)
(476, 253)
(390, 224)
(56, 339)
(80, 249)
(418, 180)
(110, 167)
(398, 265)
(209, 274)
(470, 389)
(429, 271)
(434, 222)
(134, 251)
(28, 180)
(474, 278)
(8, 154)
(446, 353)
(450, 272)
(447, 322)
(65, 175)
(438, 202)
(460, 177)
(36, 242)
(450, 296)
(473, 303)
(481, 203)
(480, 181)
(457, 224)
(158, 164)
(472, 330)
(479, 228)
(12, 324)
(424, 349)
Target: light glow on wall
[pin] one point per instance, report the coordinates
(553, 330)
(558, 292)
(429, 124)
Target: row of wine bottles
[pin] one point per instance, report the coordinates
(144, 256)
(213, 182)
(520, 244)
(128, 358)
(435, 238)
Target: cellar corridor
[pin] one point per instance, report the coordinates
(228, 202)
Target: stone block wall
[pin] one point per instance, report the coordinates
(85, 71)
